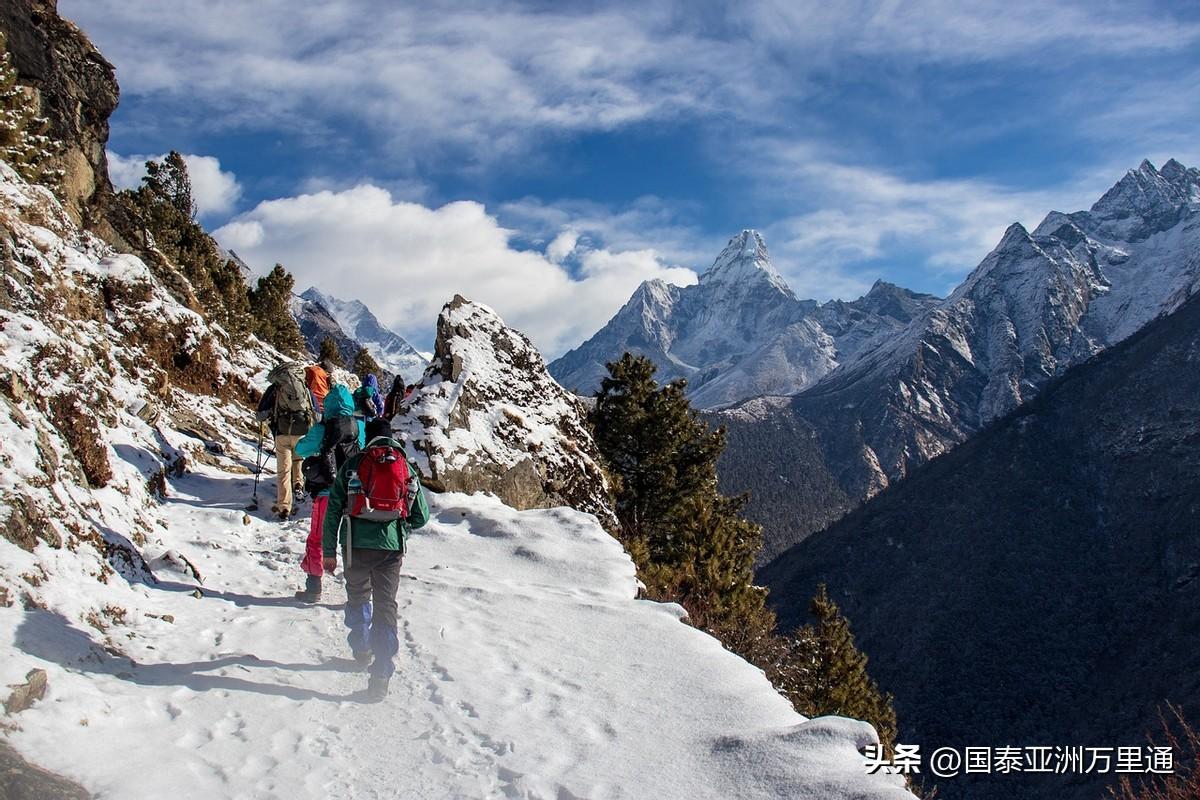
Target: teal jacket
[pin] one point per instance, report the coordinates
(338, 403)
(367, 534)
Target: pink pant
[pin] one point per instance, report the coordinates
(312, 563)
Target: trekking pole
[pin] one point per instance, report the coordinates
(346, 549)
(258, 468)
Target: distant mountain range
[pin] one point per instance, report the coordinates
(1039, 303)
(389, 348)
(352, 326)
(740, 331)
(1040, 584)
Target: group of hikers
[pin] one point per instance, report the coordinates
(337, 446)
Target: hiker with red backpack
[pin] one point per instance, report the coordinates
(287, 408)
(374, 503)
(330, 444)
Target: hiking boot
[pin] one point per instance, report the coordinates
(284, 514)
(311, 592)
(362, 657)
(377, 689)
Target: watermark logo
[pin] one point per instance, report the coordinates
(950, 762)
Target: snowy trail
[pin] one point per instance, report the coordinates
(526, 670)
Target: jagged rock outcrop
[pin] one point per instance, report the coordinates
(77, 91)
(1039, 303)
(1041, 580)
(487, 416)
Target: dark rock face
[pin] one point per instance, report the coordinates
(21, 780)
(77, 90)
(1040, 584)
(487, 416)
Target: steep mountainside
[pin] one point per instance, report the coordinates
(389, 348)
(77, 90)
(487, 416)
(1040, 583)
(740, 331)
(1037, 304)
(155, 612)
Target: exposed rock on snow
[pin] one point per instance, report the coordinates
(740, 332)
(487, 416)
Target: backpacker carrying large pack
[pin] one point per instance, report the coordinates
(381, 490)
(293, 412)
(338, 445)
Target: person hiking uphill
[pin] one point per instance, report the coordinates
(391, 403)
(318, 378)
(325, 448)
(287, 409)
(367, 400)
(375, 501)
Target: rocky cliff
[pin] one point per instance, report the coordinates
(487, 416)
(76, 89)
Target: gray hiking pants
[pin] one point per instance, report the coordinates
(372, 582)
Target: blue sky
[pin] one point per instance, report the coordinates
(547, 157)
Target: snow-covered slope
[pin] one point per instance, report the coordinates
(389, 348)
(739, 332)
(487, 416)
(527, 669)
(179, 665)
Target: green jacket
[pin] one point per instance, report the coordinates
(368, 534)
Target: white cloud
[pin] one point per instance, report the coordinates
(562, 246)
(405, 260)
(485, 78)
(214, 190)
(858, 213)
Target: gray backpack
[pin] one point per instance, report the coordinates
(293, 412)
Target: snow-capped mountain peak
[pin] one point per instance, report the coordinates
(745, 259)
(390, 349)
(1146, 201)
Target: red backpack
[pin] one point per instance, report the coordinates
(383, 492)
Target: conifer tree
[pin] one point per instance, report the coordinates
(839, 682)
(160, 216)
(271, 307)
(692, 546)
(24, 142)
(329, 352)
(364, 363)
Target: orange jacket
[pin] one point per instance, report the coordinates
(317, 381)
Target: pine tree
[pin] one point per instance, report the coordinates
(365, 364)
(24, 142)
(692, 546)
(160, 217)
(271, 307)
(329, 352)
(169, 180)
(839, 682)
